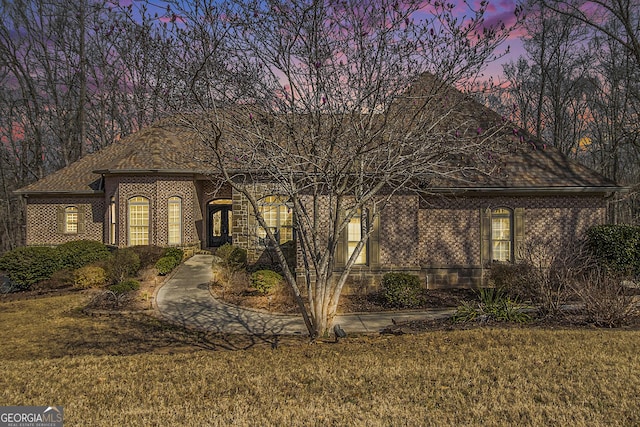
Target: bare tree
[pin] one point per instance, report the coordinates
(598, 15)
(549, 84)
(74, 78)
(336, 110)
(576, 87)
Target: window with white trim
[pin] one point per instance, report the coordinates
(174, 221)
(354, 235)
(501, 234)
(138, 221)
(71, 217)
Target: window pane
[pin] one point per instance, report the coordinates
(278, 217)
(501, 229)
(354, 234)
(138, 221)
(175, 221)
(217, 224)
(501, 236)
(71, 220)
(502, 251)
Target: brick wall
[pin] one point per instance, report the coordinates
(450, 242)
(158, 189)
(43, 226)
(399, 233)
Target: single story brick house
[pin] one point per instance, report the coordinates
(158, 186)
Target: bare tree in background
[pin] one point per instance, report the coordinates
(334, 108)
(74, 77)
(577, 87)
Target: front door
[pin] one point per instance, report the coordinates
(219, 224)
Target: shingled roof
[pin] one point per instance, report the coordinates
(170, 147)
(163, 147)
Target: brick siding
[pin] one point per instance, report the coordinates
(450, 242)
(158, 189)
(438, 238)
(43, 226)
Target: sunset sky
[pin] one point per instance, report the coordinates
(497, 11)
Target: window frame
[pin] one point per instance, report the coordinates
(496, 214)
(175, 201)
(278, 203)
(69, 212)
(133, 203)
(363, 257)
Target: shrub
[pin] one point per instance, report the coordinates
(79, 253)
(125, 286)
(175, 253)
(232, 257)
(89, 277)
(492, 303)
(617, 246)
(257, 267)
(124, 263)
(264, 281)
(514, 278)
(543, 274)
(28, 265)
(166, 264)
(401, 290)
(148, 254)
(58, 280)
(605, 300)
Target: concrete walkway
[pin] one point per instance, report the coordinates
(185, 299)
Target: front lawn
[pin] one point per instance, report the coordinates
(135, 370)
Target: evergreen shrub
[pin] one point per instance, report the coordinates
(89, 277)
(264, 281)
(28, 265)
(79, 253)
(233, 257)
(166, 264)
(125, 286)
(401, 290)
(617, 247)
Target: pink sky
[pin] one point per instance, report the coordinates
(497, 11)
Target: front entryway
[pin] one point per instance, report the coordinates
(219, 222)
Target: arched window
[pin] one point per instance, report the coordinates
(501, 234)
(174, 221)
(71, 217)
(138, 221)
(278, 215)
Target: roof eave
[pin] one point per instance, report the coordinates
(59, 192)
(149, 171)
(534, 190)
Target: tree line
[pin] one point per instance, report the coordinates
(74, 77)
(577, 87)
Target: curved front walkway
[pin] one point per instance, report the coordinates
(185, 299)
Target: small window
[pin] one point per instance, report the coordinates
(71, 217)
(278, 215)
(354, 235)
(112, 221)
(138, 221)
(175, 221)
(501, 235)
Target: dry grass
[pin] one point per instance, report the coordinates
(136, 371)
